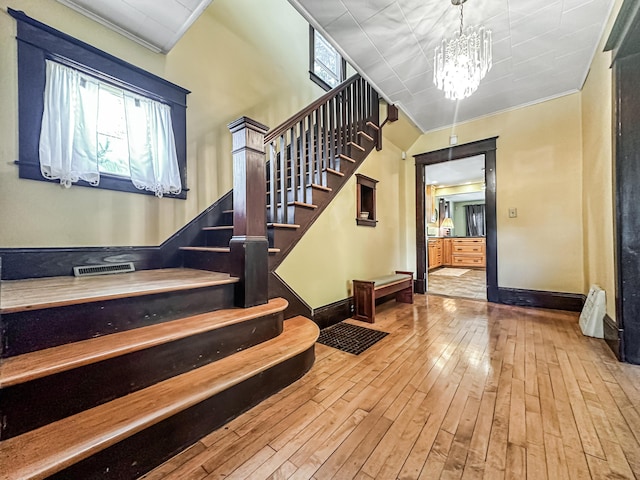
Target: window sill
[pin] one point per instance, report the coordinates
(320, 82)
(31, 171)
(366, 222)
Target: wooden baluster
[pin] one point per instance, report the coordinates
(283, 197)
(347, 105)
(343, 107)
(293, 149)
(303, 163)
(249, 247)
(273, 182)
(332, 133)
(325, 143)
(311, 148)
(357, 105)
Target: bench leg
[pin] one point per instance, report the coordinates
(405, 296)
(364, 302)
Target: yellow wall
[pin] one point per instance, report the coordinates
(335, 250)
(597, 194)
(239, 58)
(539, 172)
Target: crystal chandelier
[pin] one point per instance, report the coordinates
(461, 62)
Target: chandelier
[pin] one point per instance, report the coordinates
(461, 62)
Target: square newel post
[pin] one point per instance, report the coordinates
(249, 245)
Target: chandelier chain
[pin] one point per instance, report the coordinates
(461, 17)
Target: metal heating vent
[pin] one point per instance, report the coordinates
(87, 270)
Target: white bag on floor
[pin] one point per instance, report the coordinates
(591, 318)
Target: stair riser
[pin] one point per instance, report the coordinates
(280, 236)
(142, 452)
(212, 261)
(313, 196)
(24, 407)
(296, 214)
(38, 329)
(217, 238)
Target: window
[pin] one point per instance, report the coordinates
(327, 67)
(127, 126)
(91, 128)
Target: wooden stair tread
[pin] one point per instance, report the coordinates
(283, 225)
(321, 187)
(335, 172)
(39, 293)
(218, 249)
(304, 205)
(50, 449)
(217, 228)
(365, 135)
(347, 158)
(354, 144)
(373, 125)
(228, 211)
(38, 364)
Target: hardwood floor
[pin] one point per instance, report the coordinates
(472, 284)
(459, 389)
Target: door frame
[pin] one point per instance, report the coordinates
(480, 147)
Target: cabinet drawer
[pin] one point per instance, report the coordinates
(468, 260)
(468, 248)
(469, 240)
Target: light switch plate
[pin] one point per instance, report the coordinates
(513, 212)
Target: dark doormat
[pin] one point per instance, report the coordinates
(350, 338)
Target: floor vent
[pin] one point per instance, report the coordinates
(88, 270)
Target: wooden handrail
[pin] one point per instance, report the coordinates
(312, 107)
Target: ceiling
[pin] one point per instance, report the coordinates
(457, 172)
(541, 49)
(144, 21)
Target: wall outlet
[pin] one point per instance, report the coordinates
(513, 212)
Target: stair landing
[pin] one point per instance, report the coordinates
(39, 293)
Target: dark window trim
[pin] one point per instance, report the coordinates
(315, 78)
(37, 42)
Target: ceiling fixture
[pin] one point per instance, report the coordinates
(461, 62)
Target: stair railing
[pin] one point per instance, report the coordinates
(300, 151)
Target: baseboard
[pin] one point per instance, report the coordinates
(19, 263)
(333, 313)
(613, 335)
(572, 302)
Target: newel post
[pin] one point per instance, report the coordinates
(249, 245)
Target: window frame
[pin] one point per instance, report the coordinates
(38, 42)
(312, 57)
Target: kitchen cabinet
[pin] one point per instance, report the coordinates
(435, 246)
(468, 252)
(447, 249)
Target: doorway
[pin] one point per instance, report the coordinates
(456, 228)
(487, 148)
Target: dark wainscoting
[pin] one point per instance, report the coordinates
(614, 337)
(572, 302)
(18, 263)
(333, 313)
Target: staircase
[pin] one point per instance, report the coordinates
(109, 376)
(309, 158)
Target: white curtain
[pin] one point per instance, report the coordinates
(69, 134)
(152, 150)
(68, 142)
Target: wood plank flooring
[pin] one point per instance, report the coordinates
(459, 389)
(37, 293)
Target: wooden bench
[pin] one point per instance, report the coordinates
(365, 293)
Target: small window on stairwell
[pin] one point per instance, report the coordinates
(327, 67)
